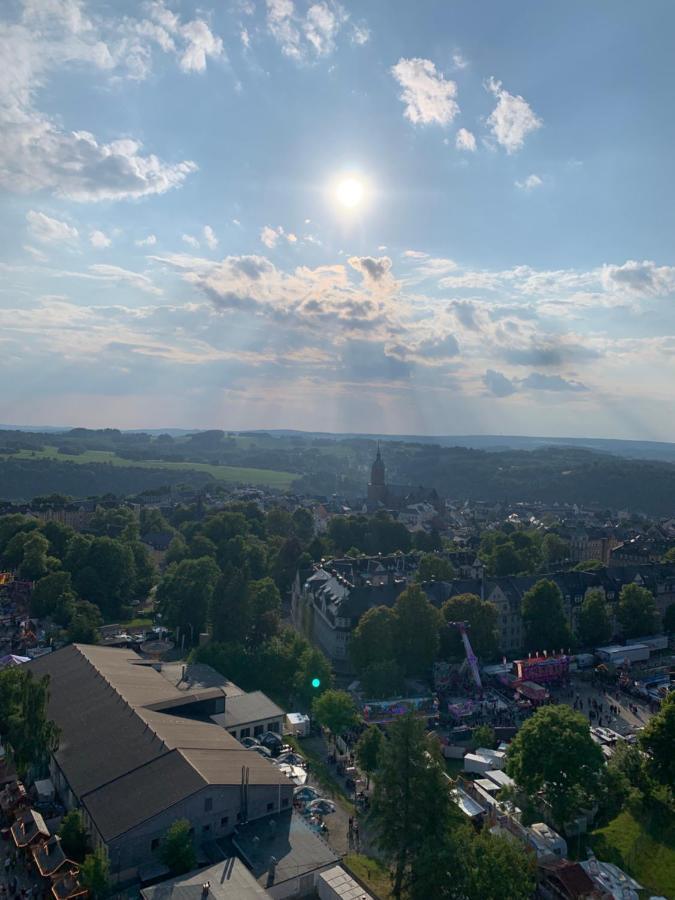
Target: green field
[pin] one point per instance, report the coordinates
(230, 474)
(643, 847)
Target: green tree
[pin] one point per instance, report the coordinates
(657, 739)
(369, 750)
(554, 549)
(382, 679)
(24, 725)
(434, 568)
(335, 710)
(95, 874)
(669, 619)
(637, 611)
(544, 618)
(311, 664)
(230, 611)
(589, 565)
(481, 616)
(58, 535)
(554, 753)
(52, 596)
(36, 561)
(184, 594)
(417, 631)
(669, 555)
(594, 627)
(374, 638)
(177, 850)
(484, 736)
(303, 524)
(500, 869)
(73, 835)
(412, 804)
(84, 623)
(265, 609)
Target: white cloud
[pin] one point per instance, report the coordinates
(270, 236)
(148, 241)
(360, 35)
(99, 240)
(512, 119)
(115, 274)
(415, 254)
(200, 43)
(35, 253)
(312, 35)
(459, 62)
(236, 222)
(291, 238)
(530, 183)
(639, 278)
(210, 237)
(465, 140)
(428, 96)
(245, 38)
(50, 231)
(190, 240)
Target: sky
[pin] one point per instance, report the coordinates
(425, 218)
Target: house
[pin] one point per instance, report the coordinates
(49, 857)
(29, 828)
(250, 715)
(67, 886)
(129, 732)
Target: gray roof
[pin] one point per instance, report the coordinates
(115, 743)
(228, 880)
(246, 708)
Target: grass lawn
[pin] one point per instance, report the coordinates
(642, 845)
(138, 622)
(372, 872)
(231, 474)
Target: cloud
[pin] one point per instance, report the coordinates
(551, 353)
(465, 140)
(210, 237)
(530, 183)
(309, 36)
(36, 152)
(115, 274)
(459, 62)
(415, 254)
(640, 278)
(50, 231)
(148, 241)
(536, 381)
(35, 253)
(190, 240)
(512, 119)
(465, 311)
(374, 269)
(360, 35)
(245, 38)
(437, 347)
(498, 384)
(428, 96)
(99, 240)
(270, 236)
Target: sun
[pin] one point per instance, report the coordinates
(350, 192)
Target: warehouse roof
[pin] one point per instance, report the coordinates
(253, 707)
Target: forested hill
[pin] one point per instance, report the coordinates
(71, 463)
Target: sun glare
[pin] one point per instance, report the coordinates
(350, 192)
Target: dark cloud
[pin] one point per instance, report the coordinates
(547, 354)
(498, 384)
(465, 311)
(366, 361)
(374, 268)
(252, 267)
(536, 381)
(438, 347)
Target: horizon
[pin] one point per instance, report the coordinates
(328, 217)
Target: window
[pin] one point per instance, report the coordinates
(284, 802)
(208, 804)
(224, 821)
(258, 730)
(206, 829)
(273, 726)
(154, 843)
(270, 807)
(245, 732)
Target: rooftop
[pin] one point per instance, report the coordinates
(245, 708)
(227, 880)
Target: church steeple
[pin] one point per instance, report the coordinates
(377, 488)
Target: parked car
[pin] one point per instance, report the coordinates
(321, 807)
(250, 742)
(273, 742)
(291, 758)
(263, 751)
(306, 794)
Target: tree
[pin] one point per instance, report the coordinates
(382, 679)
(412, 804)
(177, 850)
(669, 555)
(594, 627)
(303, 524)
(184, 594)
(229, 610)
(554, 549)
(24, 725)
(73, 835)
(554, 753)
(544, 618)
(265, 609)
(669, 619)
(416, 631)
(658, 740)
(434, 568)
(335, 710)
(53, 596)
(36, 560)
(310, 666)
(481, 616)
(484, 736)
(637, 611)
(369, 750)
(84, 623)
(500, 869)
(95, 874)
(373, 639)
(589, 565)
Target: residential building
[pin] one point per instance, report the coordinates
(250, 715)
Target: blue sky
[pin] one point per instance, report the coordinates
(175, 249)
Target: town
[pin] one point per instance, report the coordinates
(222, 693)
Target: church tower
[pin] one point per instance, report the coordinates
(377, 488)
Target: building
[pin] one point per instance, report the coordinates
(377, 487)
(250, 715)
(227, 880)
(138, 750)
